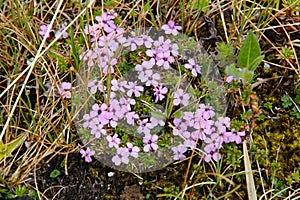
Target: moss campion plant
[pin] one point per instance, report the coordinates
(139, 115)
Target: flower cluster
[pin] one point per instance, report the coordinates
(199, 125)
(120, 106)
(106, 37)
(43, 30)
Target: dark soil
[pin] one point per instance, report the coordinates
(91, 181)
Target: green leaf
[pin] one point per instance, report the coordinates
(55, 173)
(74, 52)
(158, 115)
(256, 62)
(297, 99)
(295, 112)
(286, 101)
(249, 55)
(200, 5)
(62, 164)
(247, 75)
(233, 71)
(7, 149)
(20, 191)
(178, 114)
(124, 138)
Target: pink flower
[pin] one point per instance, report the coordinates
(150, 141)
(133, 88)
(96, 85)
(118, 86)
(132, 43)
(113, 141)
(92, 30)
(109, 67)
(179, 152)
(161, 42)
(121, 156)
(87, 154)
(43, 30)
(106, 18)
(146, 40)
(149, 78)
(158, 122)
(164, 59)
(131, 117)
(229, 78)
(132, 150)
(64, 33)
(212, 155)
(173, 48)
(97, 130)
(144, 126)
(235, 136)
(205, 111)
(171, 28)
(160, 92)
(222, 124)
(146, 65)
(181, 98)
(65, 90)
(193, 67)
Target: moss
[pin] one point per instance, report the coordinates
(278, 145)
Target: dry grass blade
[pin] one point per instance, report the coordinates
(43, 121)
(38, 55)
(31, 67)
(249, 176)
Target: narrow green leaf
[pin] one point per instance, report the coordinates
(158, 115)
(74, 52)
(256, 62)
(249, 52)
(249, 174)
(7, 149)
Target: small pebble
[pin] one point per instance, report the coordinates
(111, 174)
(266, 66)
(26, 144)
